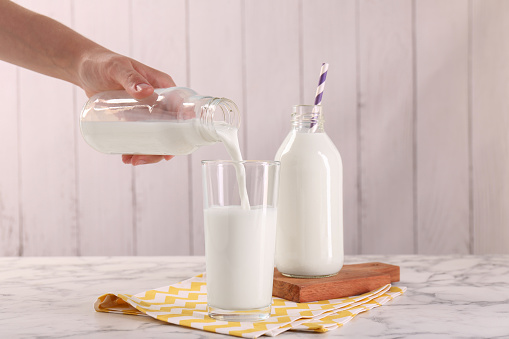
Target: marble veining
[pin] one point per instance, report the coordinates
(52, 297)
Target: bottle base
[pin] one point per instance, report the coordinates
(308, 276)
(239, 315)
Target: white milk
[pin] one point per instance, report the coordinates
(240, 256)
(310, 213)
(229, 136)
(147, 137)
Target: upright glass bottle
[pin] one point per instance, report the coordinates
(309, 240)
(172, 121)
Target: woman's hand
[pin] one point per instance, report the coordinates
(39, 43)
(102, 70)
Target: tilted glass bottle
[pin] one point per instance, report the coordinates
(172, 121)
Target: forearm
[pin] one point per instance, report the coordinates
(36, 42)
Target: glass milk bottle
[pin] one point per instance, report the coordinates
(172, 121)
(309, 240)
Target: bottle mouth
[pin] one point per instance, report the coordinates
(221, 110)
(307, 114)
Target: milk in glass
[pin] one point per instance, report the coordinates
(240, 256)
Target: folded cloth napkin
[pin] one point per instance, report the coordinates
(185, 304)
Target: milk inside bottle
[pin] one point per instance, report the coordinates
(172, 121)
(309, 241)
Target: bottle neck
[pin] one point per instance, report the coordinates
(215, 112)
(307, 119)
(208, 113)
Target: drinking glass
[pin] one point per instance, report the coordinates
(240, 229)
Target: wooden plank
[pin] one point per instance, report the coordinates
(215, 69)
(272, 73)
(442, 127)
(329, 35)
(47, 166)
(490, 125)
(351, 280)
(105, 189)
(9, 165)
(162, 190)
(386, 117)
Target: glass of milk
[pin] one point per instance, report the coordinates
(240, 237)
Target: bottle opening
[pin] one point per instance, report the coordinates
(308, 117)
(220, 111)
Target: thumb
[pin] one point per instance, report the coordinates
(133, 82)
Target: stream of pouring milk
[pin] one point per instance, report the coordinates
(229, 136)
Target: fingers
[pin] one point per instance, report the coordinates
(126, 158)
(104, 70)
(133, 82)
(137, 159)
(140, 80)
(156, 78)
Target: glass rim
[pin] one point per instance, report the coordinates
(265, 162)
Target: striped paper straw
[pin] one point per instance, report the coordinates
(321, 83)
(319, 94)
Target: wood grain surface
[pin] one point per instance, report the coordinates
(351, 280)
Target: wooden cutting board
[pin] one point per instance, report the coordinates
(351, 280)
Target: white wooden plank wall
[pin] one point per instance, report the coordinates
(10, 226)
(46, 147)
(490, 125)
(443, 218)
(386, 127)
(416, 101)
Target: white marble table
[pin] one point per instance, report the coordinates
(448, 296)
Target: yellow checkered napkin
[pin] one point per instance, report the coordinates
(185, 304)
